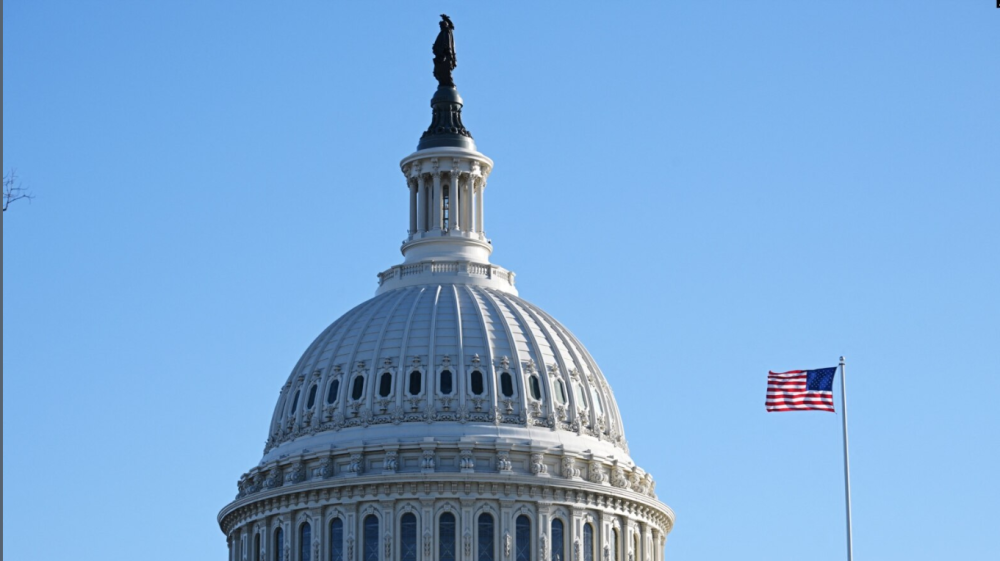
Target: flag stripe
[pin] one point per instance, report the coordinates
(788, 391)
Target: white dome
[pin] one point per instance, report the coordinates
(446, 419)
(447, 361)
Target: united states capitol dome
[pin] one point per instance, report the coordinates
(446, 418)
(450, 360)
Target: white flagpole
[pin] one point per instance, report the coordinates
(847, 465)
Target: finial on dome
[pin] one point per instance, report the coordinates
(446, 123)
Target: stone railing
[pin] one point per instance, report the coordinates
(447, 268)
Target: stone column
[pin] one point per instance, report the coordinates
(479, 207)
(456, 203)
(426, 531)
(413, 205)
(466, 207)
(421, 204)
(438, 202)
(506, 529)
(467, 541)
(453, 198)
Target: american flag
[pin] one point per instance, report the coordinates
(800, 390)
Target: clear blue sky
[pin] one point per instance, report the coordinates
(701, 191)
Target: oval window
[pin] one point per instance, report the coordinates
(358, 389)
(560, 391)
(415, 382)
(295, 401)
(446, 382)
(312, 397)
(477, 383)
(507, 384)
(385, 384)
(536, 388)
(331, 394)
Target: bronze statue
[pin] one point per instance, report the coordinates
(444, 53)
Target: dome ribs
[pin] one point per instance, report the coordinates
(350, 364)
(454, 324)
(490, 373)
(460, 348)
(404, 341)
(377, 358)
(564, 368)
(615, 424)
(547, 409)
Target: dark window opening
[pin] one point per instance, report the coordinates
(279, 545)
(312, 397)
(385, 384)
(371, 538)
(446, 537)
(295, 401)
(507, 384)
(558, 545)
(560, 392)
(358, 389)
(415, 382)
(337, 540)
(408, 537)
(446, 213)
(522, 539)
(536, 388)
(477, 383)
(446, 382)
(485, 549)
(331, 394)
(305, 542)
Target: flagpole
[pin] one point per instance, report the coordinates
(847, 465)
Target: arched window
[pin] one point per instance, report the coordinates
(415, 382)
(560, 391)
(371, 538)
(256, 547)
(295, 401)
(385, 384)
(311, 400)
(478, 387)
(558, 545)
(446, 537)
(305, 542)
(506, 384)
(408, 537)
(536, 388)
(522, 539)
(588, 542)
(358, 388)
(336, 540)
(331, 394)
(279, 545)
(614, 545)
(485, 548)
(446, 382)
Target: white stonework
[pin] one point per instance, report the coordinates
(446, 395)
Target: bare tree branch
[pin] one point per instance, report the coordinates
(13, 191)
